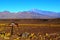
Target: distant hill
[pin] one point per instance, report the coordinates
(31, 14)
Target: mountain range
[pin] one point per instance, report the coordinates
(31, 14)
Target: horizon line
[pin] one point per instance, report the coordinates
(27, 11)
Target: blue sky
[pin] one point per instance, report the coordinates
(24, 5)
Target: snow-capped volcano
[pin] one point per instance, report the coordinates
(48, 13)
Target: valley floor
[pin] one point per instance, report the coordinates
(30, 32)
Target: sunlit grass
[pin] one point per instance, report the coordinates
(7, 36)
(47, 25)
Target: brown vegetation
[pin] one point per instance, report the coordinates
(31, 26)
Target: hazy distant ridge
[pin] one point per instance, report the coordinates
(31, 14)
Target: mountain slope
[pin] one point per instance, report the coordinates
(31, 14)
(48, 13)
